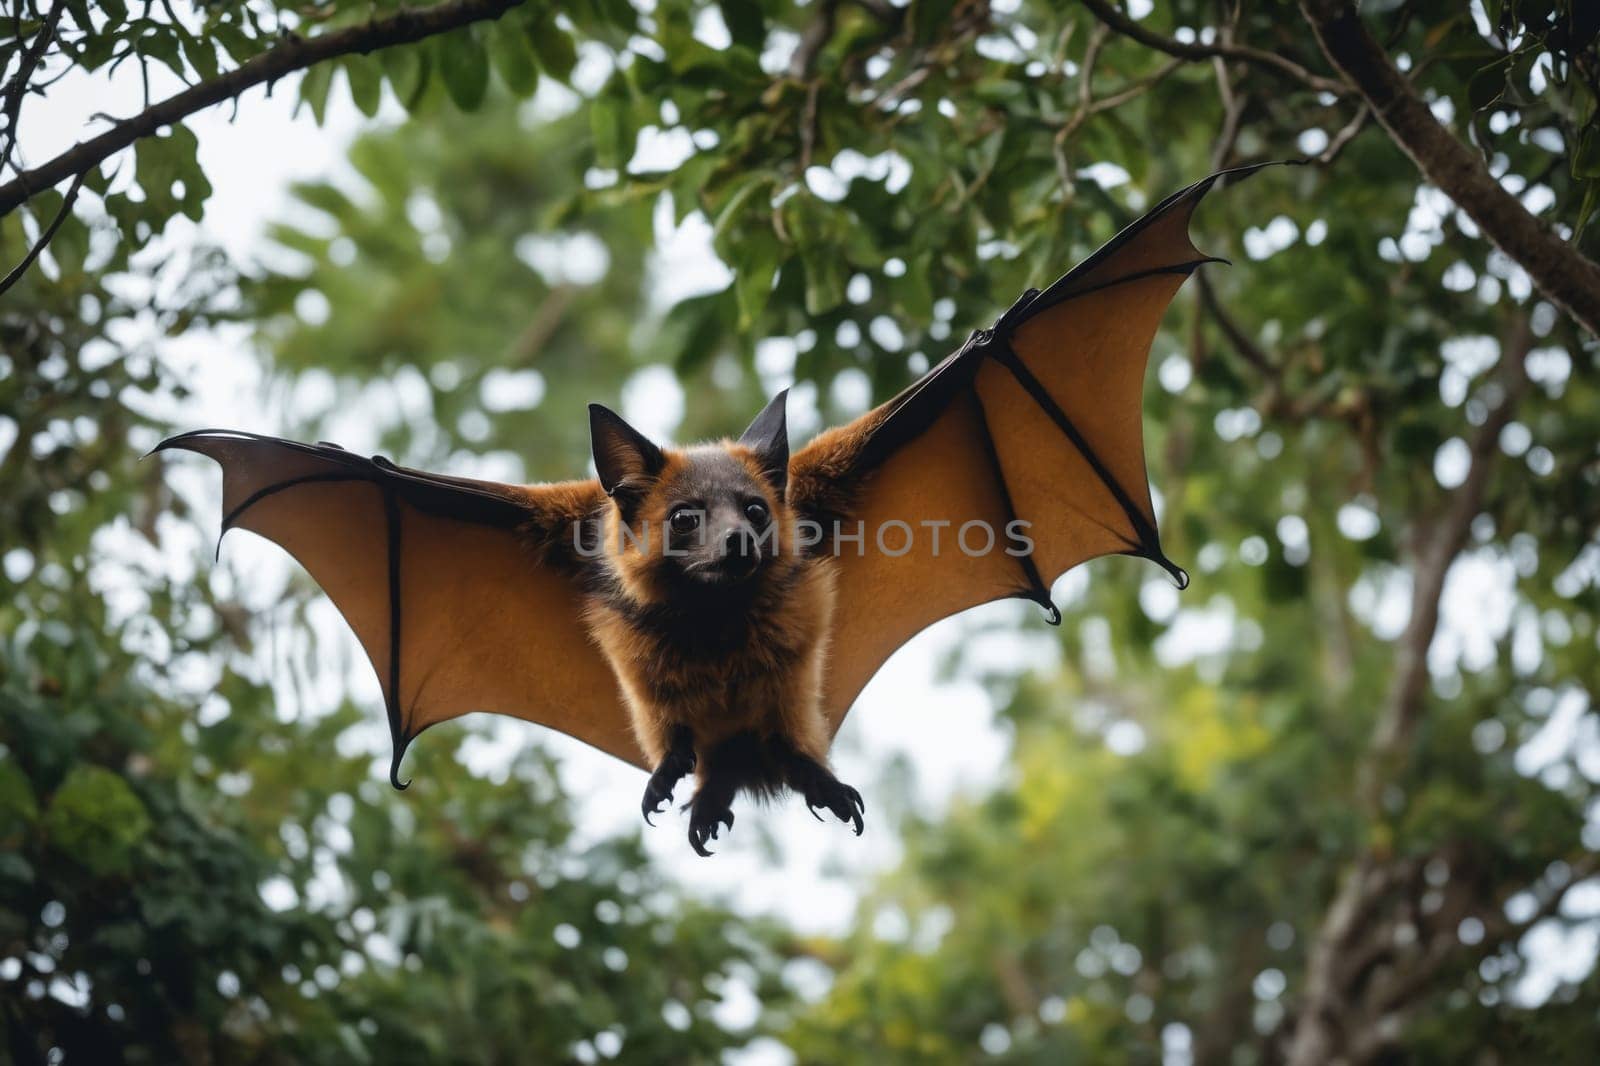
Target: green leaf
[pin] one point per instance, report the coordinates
(160, 164)
(734, 209)
(761, 256)
(913, 290)
(608, 122)
(692, 331)
(557, 54)
(745, 23)
(314, 89)
(96, 819)
(408, 69)
(96, 50)
(79, 9)
(234, 41)
(366, 83)
(824, 279)
(464, 66)
(1486, 87)
(1591, 198)
(513, 60)
(163, 45)
(929, 18)
(15, 868)
(1586, 160)
(18, 808)
(201, 53)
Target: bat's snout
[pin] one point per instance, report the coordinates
(739, 552)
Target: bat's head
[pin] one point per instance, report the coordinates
(700, 519)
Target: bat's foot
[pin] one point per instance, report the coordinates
(657, 795)
(707, 816)
(824, 792)
(679, 761)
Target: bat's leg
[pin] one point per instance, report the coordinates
(822, 791)
(678, 761)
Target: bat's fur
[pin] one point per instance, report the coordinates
(720, 658)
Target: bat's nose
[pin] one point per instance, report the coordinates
(740, 552)
(740, 544)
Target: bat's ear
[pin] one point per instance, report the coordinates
(622, 455)
(768, 437)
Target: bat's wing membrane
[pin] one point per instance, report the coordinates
(454, 611)
(1036, 421)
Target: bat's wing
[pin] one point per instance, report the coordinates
(1037, 420)
(454, 610)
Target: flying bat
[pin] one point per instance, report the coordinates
(715, 610)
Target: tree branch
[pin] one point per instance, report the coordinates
(1560, 271)
(1126, 26)
(1247, 348)
(1345, 135)
(816, 35)
(1398, 721)
(293, 54)
(1318, 1029)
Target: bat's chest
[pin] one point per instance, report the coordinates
(689, 664)
(729, 651)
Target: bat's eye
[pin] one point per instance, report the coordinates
(756, 513)
(684, 520)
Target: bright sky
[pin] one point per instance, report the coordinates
(944, 730)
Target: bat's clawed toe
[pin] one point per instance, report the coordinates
(679, 761)
(657, 797)
(706, 821)
(832, 795)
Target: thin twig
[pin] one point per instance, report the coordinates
(1124, 25)
(1346, 134)
(816, 36)
(19, 84)
(529, 344)
(1246, 348)
(44, 238)
(1232, 112)
(802, 68)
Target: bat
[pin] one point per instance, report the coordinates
(715, 610)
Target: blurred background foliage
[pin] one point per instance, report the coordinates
(1287, 818)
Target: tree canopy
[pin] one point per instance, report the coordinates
(1335, 802)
